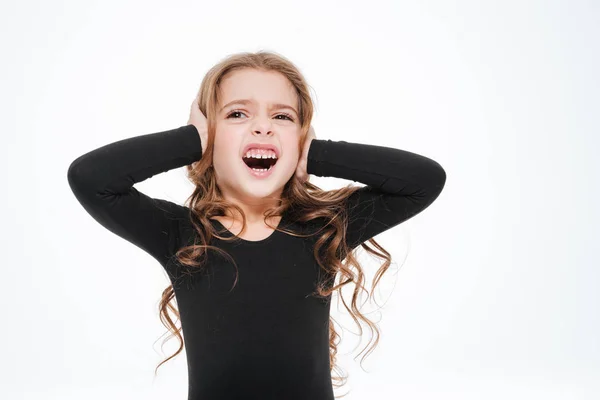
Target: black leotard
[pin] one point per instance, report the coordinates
(266, 338)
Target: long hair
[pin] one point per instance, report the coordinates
(303, 202)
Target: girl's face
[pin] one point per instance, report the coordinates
(256, 107)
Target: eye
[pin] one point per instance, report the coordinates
(230, 115)
(288, 116)
(234, 112)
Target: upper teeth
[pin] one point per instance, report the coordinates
(258, 153)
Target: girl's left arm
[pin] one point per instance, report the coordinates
(399, 184)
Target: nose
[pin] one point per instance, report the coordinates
(262, 126)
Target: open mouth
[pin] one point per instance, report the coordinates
(260, 164)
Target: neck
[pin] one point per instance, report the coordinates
(254, 210)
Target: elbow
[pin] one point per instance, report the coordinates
(433, 182)
(74, 174)
(79, 177)
(437, 181)
(441, 177)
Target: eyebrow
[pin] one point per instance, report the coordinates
(248, 101)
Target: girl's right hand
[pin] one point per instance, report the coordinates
(198, 119)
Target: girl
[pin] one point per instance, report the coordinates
(254, 254)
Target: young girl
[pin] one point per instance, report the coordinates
(253, 256)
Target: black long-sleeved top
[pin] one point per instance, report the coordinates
(266, 338)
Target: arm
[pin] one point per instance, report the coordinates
(102, 181)
(399, 184)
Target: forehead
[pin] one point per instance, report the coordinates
(261, 86)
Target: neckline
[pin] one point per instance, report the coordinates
(269, 238)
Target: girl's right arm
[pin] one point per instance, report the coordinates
(102, 181)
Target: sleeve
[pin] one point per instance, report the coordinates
(102, 181)
(399, 184)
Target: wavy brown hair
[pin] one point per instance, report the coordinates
(303, 202)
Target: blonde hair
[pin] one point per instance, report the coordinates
(303, 202)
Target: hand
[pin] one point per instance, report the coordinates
(198, 119)
(303, 160)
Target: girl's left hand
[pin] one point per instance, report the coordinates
(303, 160)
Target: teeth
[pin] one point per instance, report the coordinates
(260, 154)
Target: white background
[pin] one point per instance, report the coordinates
(497, 297)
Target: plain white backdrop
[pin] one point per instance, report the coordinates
(495, 289)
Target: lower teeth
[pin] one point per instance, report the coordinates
(260, 170)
